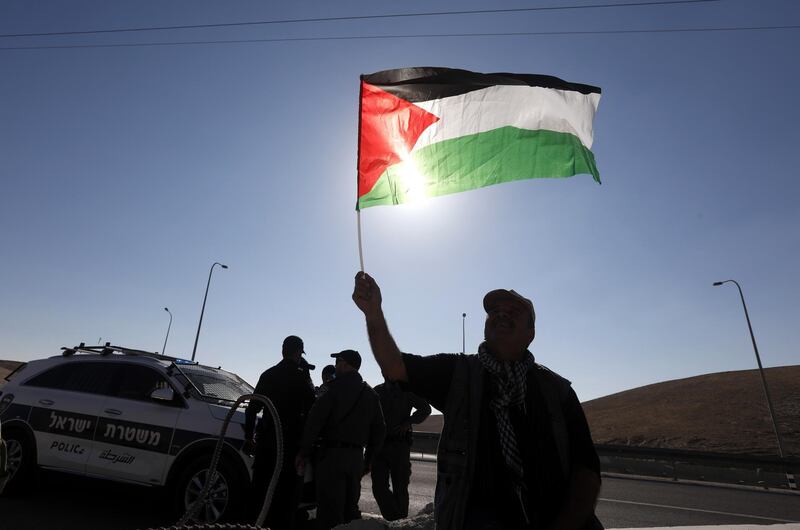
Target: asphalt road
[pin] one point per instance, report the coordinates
(66, 503)
(627, 502)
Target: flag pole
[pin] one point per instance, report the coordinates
(358, 161)
(360, 249)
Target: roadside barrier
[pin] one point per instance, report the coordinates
(425, 443)
(681, 464)
(676, 464)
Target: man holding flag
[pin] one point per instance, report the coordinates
(515, 450)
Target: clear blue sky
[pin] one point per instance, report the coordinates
(125, 172)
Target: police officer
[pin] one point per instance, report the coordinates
(328, 375)
(289, 387)
(394, 458)
(343, 421)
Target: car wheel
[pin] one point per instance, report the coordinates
(21, 461)
(225, 496)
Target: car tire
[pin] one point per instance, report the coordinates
(226, 497)
(21, 459)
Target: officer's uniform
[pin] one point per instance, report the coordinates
(394, 458)
(343, 421)
(289, 387)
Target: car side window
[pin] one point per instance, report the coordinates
(138, 382)
(91, 378)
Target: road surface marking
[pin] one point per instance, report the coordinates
(700, 510)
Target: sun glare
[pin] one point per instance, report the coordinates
(413, 181)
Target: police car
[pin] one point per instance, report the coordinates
(129, 416)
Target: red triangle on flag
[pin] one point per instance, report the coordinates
(389, 128)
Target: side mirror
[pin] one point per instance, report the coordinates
(162, 394)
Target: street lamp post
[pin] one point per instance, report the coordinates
(760, 368)
(463, 334)
(164, 349)
(203, 310)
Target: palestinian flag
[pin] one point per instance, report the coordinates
(435, 131)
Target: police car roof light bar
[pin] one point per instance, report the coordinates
(107, 349)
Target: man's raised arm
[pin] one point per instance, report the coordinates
(367, 296)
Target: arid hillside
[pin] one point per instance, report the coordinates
(723, 412)
(6, 367)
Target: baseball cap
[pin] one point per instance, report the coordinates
(293, 343)
(493, 297)
(351, 357)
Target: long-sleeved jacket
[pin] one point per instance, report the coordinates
(457, 451)
(289, 388)
(397, 404)
(348, 414)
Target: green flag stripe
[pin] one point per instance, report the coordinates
(474, 161)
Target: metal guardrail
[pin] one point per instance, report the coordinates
(675, 464)
(772, 463)
(682, 464)
(425, 443)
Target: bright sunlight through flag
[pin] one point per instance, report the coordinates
(425, 132)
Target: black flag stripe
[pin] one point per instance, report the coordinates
(429, 83)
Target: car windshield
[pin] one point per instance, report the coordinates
(215, 383)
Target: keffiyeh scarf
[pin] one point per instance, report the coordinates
(509, 382)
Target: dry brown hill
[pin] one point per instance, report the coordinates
(722, 412)
(6, 367)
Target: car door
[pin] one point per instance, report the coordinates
(134, 431)
(66, 401)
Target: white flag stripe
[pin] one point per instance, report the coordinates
(498, 106)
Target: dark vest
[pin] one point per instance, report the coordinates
(459, 439)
